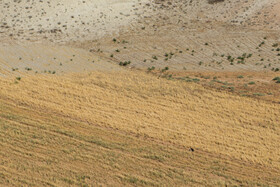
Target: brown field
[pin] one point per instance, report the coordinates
(133, 128)
(139, 93)
(259, 85)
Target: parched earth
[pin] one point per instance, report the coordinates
(139, 93)
(181, 35)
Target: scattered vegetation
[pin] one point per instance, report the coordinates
(277, 79)
(151, 68)
(215, 1)
(124, 63)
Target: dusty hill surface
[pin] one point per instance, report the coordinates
(183, 35)
(65, 20)
(198, 36)
(16, 59)
(140, 93)
(132, 128)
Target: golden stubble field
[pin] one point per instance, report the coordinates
(133, 128)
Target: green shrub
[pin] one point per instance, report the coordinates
(165, 69)
(151, 68)
(155, 57)
(276, 79)
(215, 1)
(258, 94)
(28, 69)
(124, 63)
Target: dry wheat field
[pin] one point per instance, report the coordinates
(139, 93)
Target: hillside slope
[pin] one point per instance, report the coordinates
(65, 20)
(201, 35)
(139, 93)
(198, 36)
(35, 58)
(136, 129)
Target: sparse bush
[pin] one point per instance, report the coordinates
(215, 1)
(124, 63)
(277, 79)
(261, 44)
(258, 94)
(151, 68)
(165, 69)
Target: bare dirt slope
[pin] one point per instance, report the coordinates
(183, 35)
(17, 59)
(189, 35)
(30, 32)
(66, 19)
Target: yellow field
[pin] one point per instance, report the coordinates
(136, 129)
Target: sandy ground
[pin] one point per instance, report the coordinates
(66, 20)
(49, 59)
(33, 33)
(180, 35)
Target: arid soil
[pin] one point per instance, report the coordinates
(139, 93)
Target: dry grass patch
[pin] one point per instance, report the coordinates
(128, 125)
